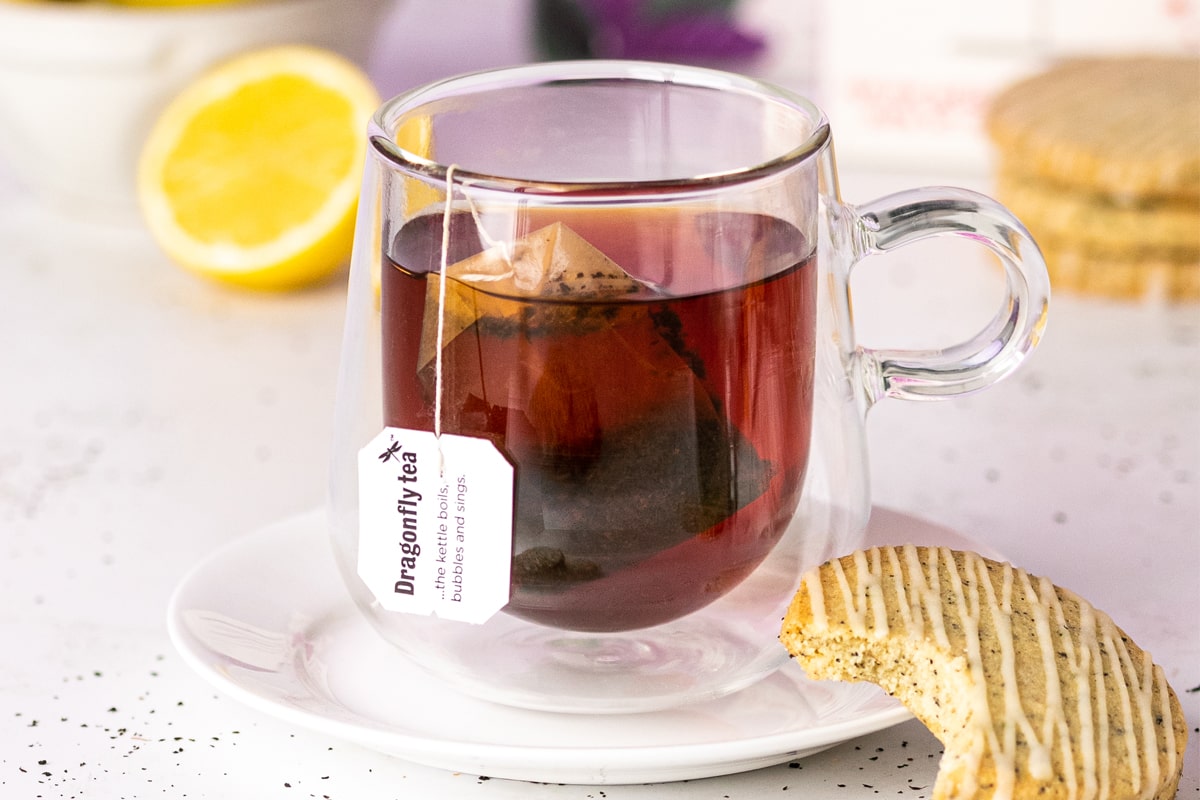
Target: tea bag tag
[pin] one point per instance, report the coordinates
(435, 524)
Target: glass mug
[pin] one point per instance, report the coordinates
(620, 291)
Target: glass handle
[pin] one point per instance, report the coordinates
(997, 350)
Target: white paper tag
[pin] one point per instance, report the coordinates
(435, 524)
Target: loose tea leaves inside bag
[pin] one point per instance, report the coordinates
(552, 262)
(584, 376)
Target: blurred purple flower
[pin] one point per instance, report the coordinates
(662, 30)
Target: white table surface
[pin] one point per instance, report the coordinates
(148, 417)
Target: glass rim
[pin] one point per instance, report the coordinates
(384, 145)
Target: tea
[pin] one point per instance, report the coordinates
(660, 434)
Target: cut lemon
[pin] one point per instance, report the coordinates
(165, 3)
(252, 174)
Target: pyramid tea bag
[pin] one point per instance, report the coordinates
(638, 495)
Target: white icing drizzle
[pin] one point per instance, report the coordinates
(966, 596)
(857, 599)
(1116, 668)
(1016, 720)
(927, 594)
(874, 590)
(1164, 710)
(1141, 690)
(1144, 689)
(911, 616)
(1090, 640)
(853, 618)
(816, 599)
(1091, 660)
(1055, 724)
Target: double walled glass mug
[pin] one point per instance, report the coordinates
(600, 403)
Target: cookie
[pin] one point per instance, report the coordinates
(1100, 158)
(1097, 273)
(1123, 127)
(1033, 692)
(1126, 227)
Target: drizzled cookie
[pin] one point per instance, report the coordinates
(1032, 691)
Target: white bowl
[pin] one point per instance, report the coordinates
(81, 83)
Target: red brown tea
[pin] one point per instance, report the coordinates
(660, 437)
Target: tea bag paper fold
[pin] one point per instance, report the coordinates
(551, 263)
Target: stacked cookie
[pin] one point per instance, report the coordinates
(1100, 158)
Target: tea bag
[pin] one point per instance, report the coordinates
(552, 262)
(621, 450)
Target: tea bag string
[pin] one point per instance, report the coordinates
(438, 381)
(443, 263)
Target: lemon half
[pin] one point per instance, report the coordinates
(252, 174)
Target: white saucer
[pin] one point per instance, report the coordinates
(267, 620)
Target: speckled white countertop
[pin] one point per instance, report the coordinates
(147, 418)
